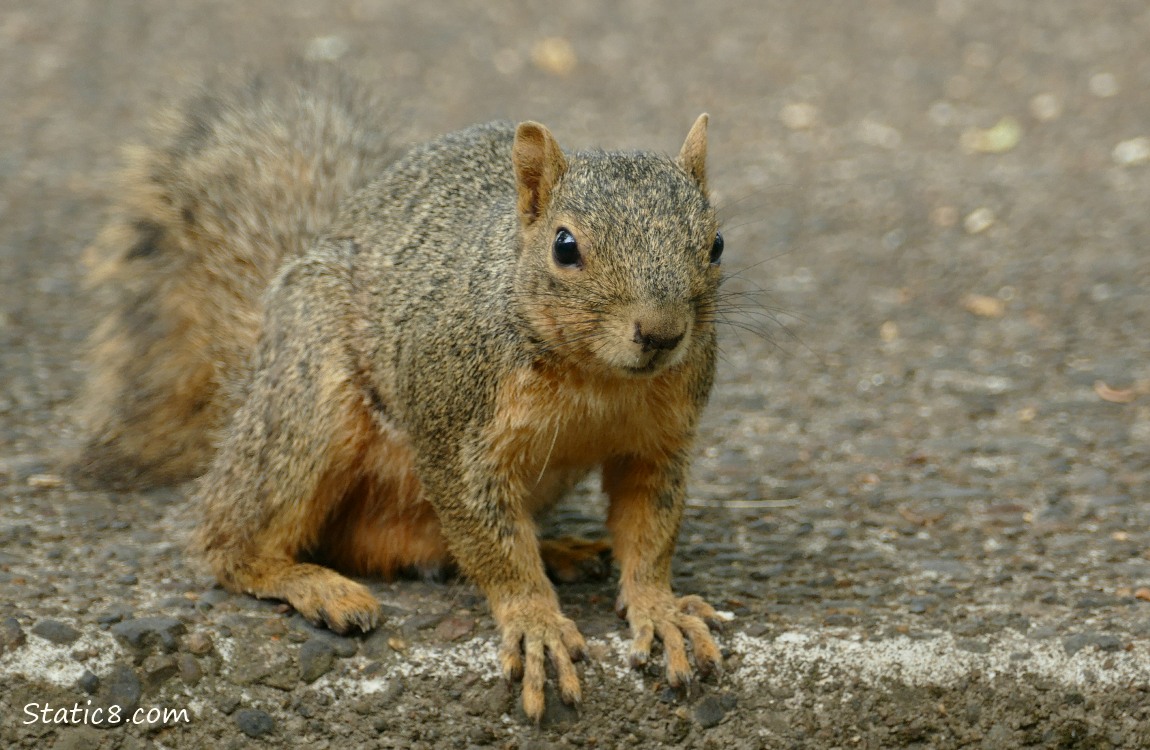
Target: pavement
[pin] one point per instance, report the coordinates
(920, 489)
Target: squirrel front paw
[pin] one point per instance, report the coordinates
(656, 612)
(533, 630)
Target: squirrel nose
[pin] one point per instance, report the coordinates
(656, 340)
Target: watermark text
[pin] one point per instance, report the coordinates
(46, 713)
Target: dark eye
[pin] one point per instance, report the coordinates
(717, 249)
(565, 250)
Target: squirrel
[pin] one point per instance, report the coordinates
(376, 362)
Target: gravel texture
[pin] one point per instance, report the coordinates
(921, 487)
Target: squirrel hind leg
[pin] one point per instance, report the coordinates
(571, 559)
(321, 595)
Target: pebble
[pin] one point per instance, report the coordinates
(215, 596)
(1102, 641)
(88, 682)
(115, 613)
(254, 723)
(227, 704)
(60, 633)
(316, 657)
(199, 643)
(11, 635)
(158, 669)
(343, 646)
(146, 632)
(122, 688)
(709, 712)
(556, 713)
(454, 628)
(379, 645)
(424, 622)
(190, 671)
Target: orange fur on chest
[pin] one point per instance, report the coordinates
(549, 420)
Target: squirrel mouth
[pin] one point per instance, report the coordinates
(653, 364)
(647, 369)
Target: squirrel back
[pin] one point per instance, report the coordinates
(225, 187)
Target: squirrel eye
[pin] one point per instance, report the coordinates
(565, 250)
(717, 249)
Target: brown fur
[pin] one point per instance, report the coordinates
(415, 388)
(227, 186)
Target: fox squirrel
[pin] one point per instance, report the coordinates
(402, 373)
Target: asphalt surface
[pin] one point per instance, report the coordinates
(921, 487)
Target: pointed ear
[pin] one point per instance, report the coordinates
(693, 156)
(539, 164)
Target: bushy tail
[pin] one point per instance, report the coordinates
(228, 186)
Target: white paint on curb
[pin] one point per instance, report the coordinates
(939, 661)
(41, 660)
(828, 656)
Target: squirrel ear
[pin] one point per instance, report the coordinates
(693, 156)
(539, 164)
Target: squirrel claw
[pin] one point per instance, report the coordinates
(674, 622)
(343, 606)
(531, 638)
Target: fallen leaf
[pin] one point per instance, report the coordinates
(45, 481)
(978, 220)
(999, 139)
(920, 519)
(555, 55)
(1132, 152)
(983, 306)
(454, 628)
(1114, 395)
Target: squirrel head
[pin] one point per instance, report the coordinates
(619, 252)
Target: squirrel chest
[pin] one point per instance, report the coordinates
(547, 419)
